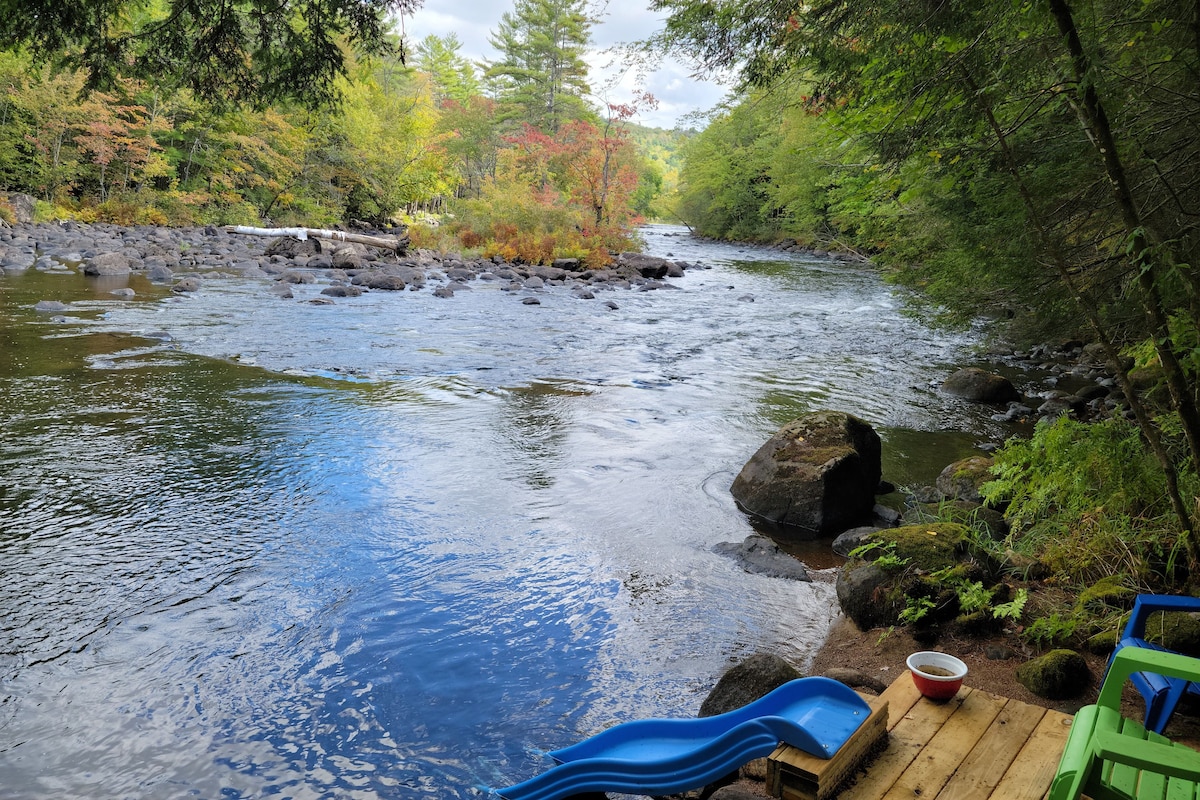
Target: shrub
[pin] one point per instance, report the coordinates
(1089, 501)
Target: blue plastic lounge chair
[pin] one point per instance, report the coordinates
(1160, 692)
(1109, 757)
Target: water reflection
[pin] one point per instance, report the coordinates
(395, 547)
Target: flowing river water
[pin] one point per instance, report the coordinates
(399, 546)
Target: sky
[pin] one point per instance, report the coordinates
(622, 21)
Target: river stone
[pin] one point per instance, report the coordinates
(380, 280)
(962, 479)
(108, 264)
(291, 247)
(342, 291)
(744, 683)
(852, 539)
(759, 555)
(980, 386)
(50, 306)
(644, 265)
(347, 258)
(819, 472)
(860, 587)
(296, 276)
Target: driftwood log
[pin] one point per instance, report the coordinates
(395, 243)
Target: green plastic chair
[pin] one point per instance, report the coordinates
(1110, 757)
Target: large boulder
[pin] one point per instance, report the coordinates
(744, 683)
(644, 265)
(108, 264)
(819, 472)
(873, 590)
(23, 206)
(980, 386)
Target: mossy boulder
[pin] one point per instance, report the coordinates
(927, 548)
(875, 589)
(819, 472)
(1105, 594)
(1175, 630)
(1057, 675)
(962, 479)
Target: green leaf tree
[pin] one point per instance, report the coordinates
(250, 51)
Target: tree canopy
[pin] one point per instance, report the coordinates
(244, 52)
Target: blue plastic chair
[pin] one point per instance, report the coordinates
(1160, 692)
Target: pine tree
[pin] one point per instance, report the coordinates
(541, 72)
(452, 76)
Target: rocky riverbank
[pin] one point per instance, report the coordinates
(186, 259)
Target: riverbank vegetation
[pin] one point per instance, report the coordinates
(516, 157)
(1033, 163)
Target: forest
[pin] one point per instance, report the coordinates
(515, 157)
(1033, 165)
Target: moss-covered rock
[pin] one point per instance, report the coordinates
(1058, 675)
(819, 473)
(1104, 595)
(927, 548)
(962, 479)
(1175, 630)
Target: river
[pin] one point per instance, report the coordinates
(398, 546)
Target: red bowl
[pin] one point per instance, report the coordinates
(944, 676)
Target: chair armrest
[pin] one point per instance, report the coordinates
(1146, 604)
(1129, 660)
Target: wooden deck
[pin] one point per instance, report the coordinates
(976, 746)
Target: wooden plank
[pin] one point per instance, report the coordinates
(910, 733)
(900, 696)
(793, 774)
(985, 766)
(1034, 767)
(948, 748)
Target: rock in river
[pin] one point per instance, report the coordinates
(819, 472)
(761, 556)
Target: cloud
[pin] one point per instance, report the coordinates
(615, 78)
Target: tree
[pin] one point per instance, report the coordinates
(250, 51)
(453, 77)
(541, 71)
(1062, 127)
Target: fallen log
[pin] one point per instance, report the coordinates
(395, 243)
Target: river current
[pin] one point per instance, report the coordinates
(399, 546)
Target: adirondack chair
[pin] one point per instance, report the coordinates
(1160, 692)
(1110, 757)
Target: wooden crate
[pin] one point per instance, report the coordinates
(795, 775)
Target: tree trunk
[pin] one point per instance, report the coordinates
(1145, 420)
(396, 243)
(1145, 259)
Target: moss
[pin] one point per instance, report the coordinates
(1175, 630)
(978, 623)
(1058, 675)
(1104, 595)
(1101, 643)
(927, 547)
